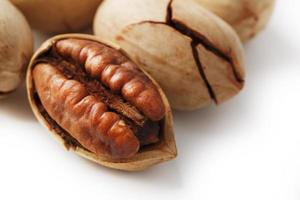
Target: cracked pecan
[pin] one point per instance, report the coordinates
(195, 56)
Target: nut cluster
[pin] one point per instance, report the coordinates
(106, 97)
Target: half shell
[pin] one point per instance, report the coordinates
(146, 157)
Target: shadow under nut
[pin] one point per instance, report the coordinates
(78, 80)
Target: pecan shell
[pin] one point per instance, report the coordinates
(58, 16)
(194, 55)
(16, 45)
(247, 17)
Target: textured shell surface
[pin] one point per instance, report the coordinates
(16, 46)
(195, 56)
(58, 16)
(248, 17)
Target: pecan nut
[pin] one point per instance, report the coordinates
(16, 47)
(53, 16)
(195, 56)
(99, 101)
(247, 17)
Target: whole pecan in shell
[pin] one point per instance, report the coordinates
(16, 45)
(195, 56)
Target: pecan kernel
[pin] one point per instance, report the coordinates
(99, 97)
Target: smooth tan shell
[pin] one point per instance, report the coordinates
(163, 151)
(248, 17)
(140, 28)
(58, 16)
(16, 46)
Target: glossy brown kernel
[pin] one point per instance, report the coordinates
(98, 96)
(116, 72)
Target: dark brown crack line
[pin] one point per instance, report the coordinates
(199, 39)
(201, 71)
(194, 44)
(169, 13)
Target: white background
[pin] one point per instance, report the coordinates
(246, 149)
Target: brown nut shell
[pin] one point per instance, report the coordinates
(147, 156)
(247, 17)
(58, 16)
(195, 56)
(16, 45)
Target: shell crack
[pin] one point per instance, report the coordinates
(197, 39)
